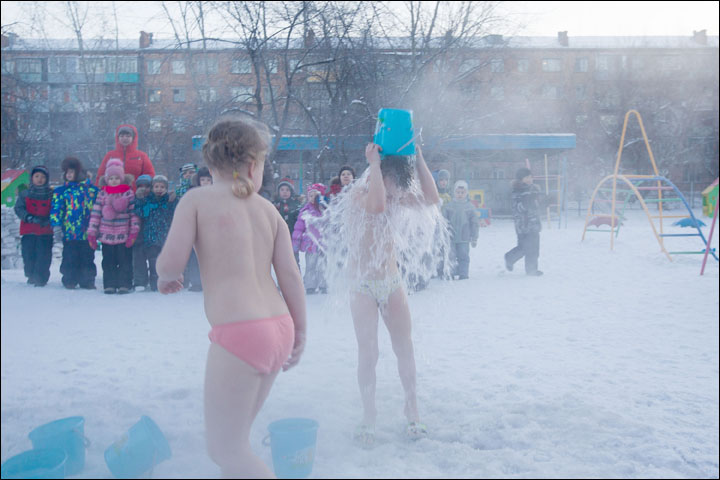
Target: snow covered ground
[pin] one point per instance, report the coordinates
(605, 367)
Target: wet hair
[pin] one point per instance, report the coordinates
(399, 168)
(233, 142)
(349, 168)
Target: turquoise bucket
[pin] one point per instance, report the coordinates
(65, 434)
(292, 441)
(394, 132)
(40, 463)
(138, 451)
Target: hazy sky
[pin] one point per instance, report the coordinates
(538, 18)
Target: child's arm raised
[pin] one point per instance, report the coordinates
(427, 183)
(291, 286)
(178, 245)
(375, 200)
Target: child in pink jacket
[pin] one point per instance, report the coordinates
(114, 224)
(307, 237)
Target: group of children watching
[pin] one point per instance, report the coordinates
(127, 218)
(131, 225)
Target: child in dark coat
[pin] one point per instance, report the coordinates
(156, 212)
(33, 209)
(464, 227)
(141, 267)
(289, 207)
(526, 198)
(70, 216)
(192, 270)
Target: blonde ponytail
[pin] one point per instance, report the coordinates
(242, 188)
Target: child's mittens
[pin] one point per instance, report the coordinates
(130, 241)
(92, 240)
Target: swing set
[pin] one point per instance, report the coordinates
(635, 184)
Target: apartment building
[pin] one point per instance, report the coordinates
(53, 94)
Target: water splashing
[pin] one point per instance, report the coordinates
(409, 237)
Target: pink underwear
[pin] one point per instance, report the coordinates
(264, 343)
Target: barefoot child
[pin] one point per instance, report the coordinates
(238, 236)
(379, 285)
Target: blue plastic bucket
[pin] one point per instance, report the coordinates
(292, 441)
(40, 463)
(66, 434)
(138, 451)
(394, 132)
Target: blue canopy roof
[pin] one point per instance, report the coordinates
(552, 141)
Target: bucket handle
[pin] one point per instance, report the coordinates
(266, 440)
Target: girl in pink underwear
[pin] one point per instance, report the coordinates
(238, 236)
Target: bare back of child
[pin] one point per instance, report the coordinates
(238, 235)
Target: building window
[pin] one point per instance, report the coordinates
(468, 65)
(581, 64)
(207, 95)
(71, 64)
(153, 67)
(670, 63)
(497, 92)
(122, 64)
(497, 65)
(272, 65)
(498, 174)
(523, 65)
(154, 95)
(178, 94)
(8, 67)
(580, 92)
(206, 65)
(55, 64)
(580, 120)
(155, 124)
(241, 65)
(550, 92)
(178, 67)
(92, 65)
(29, 69)
(602, 63)
(552, 65)
(178, 124)
(242, 94)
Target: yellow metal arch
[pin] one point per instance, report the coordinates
(615, 178)
(624, 178)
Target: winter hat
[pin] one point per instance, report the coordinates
(204, 172)
(461, 183)
(160, 179)
(114, 167)
(143, 180)
(287, 184)
(127, 131)
(443, 175)
(72, 163)
(318, 187)
(522, 173)
(188, 166)
(42, 169)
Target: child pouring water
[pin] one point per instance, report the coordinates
(238, 236)
(378, 284)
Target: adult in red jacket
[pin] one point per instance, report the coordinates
(135, 162)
